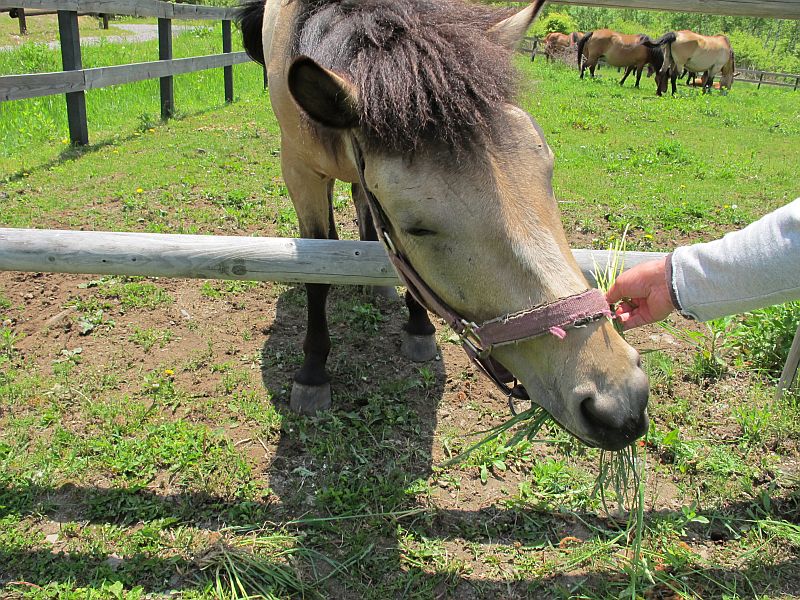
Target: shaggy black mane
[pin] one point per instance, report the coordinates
(423, 69)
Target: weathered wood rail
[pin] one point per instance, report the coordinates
(74, 80)
(778, 9)
(22, 17)
(288, 260)
(757, 77)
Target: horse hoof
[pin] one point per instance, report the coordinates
(310, 399)
(387, 293)
(419, 348)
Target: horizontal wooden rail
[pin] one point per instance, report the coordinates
(777, 9)
(133, 8)
(767, 73)
(765, 82)
(286, 260)
(17, 87)
(781, 9)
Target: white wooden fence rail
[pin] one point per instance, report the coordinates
(289, 260)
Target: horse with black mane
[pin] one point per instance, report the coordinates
(411, 102)
(619, 50)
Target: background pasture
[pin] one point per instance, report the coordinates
(145, 448)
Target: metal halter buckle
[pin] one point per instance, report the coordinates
(469, 337)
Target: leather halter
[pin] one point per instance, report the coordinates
(478, 340)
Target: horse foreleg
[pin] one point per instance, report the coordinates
(639, 70)
(366, 231)
(419, 343)
(628, 71)
(311, 195)
(708, 81)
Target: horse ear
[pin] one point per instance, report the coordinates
(509, 32)
(322, 94)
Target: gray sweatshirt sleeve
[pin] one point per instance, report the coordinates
(755, 267)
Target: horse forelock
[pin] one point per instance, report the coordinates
(422, 69)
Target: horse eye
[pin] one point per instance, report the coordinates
(419, 231)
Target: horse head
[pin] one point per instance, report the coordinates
(728, 72)
(463, 179)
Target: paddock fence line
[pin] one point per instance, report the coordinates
(22, 17)
(757, 77)
(74, 80)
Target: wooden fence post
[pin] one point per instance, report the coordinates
(796, 82)
(19, 13)
(227, 47)
(760, 79)
(71, 61)
(166, 83)
(790, 368)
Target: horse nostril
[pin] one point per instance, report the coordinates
(600, 416)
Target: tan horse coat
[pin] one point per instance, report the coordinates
(484, 231)
(699, 53)
(618, 50)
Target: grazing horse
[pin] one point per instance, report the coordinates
(619, 50)
(686, 49)
(411, 101)
(559, 43)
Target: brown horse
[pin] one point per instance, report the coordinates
(556, 44)
(411, 100)
(689, 50)
(619, 50)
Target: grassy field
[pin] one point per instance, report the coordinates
(145, 445)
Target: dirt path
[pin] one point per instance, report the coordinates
(140, 32)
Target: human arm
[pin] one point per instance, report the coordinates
(755, 267)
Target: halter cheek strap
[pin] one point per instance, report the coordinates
(479, 340)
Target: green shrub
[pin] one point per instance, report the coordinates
(763, 337)
(555, 22)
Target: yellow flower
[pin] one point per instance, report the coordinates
(139, 190)
(151, 130)
(169, 372)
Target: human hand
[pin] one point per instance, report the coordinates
(643, 294)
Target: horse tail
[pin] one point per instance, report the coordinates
(581, 44)
(667, 38)
(250, 18)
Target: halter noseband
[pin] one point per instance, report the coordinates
(478, 340)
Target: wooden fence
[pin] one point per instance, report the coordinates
(74, 80)
(758, 77)
(22, 16)
(288, 260)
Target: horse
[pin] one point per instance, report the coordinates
(619, 50)
(411, 102)
(711, 54)
(556, 43)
